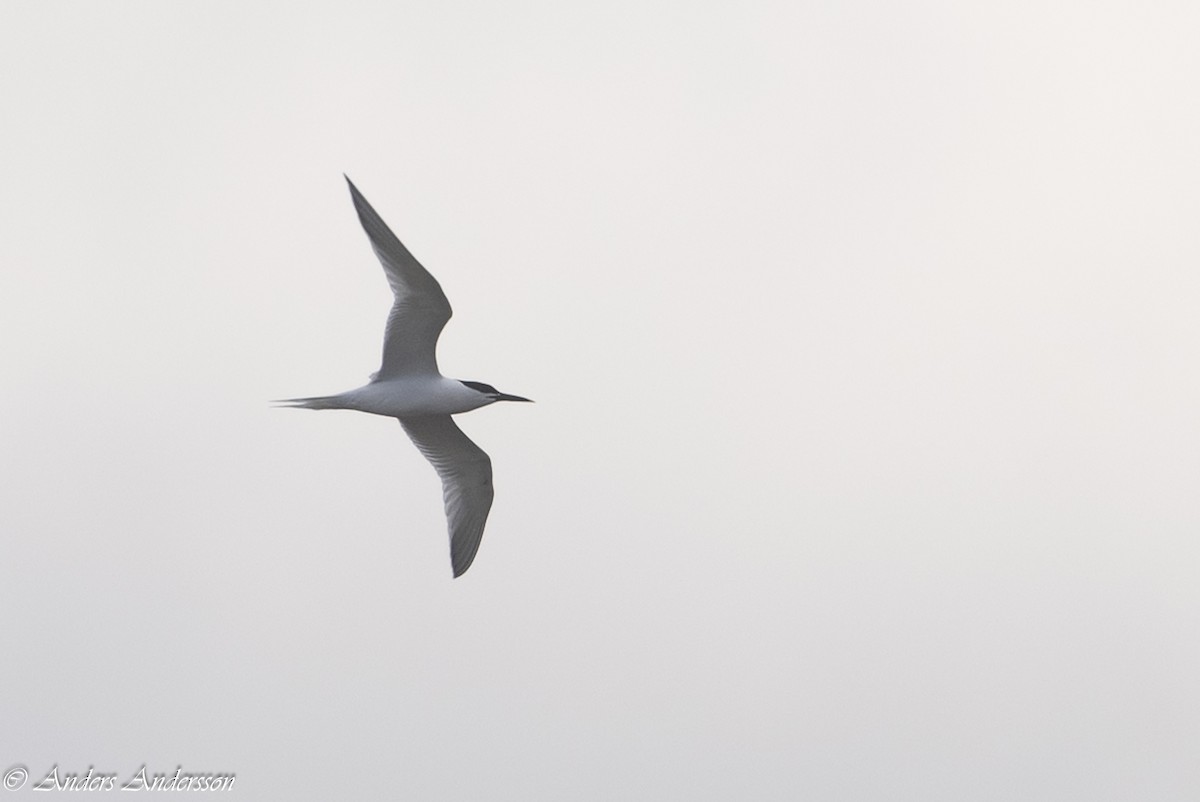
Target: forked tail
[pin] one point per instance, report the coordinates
(315, 402)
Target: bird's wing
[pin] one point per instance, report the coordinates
(420, 310)
(466, 473)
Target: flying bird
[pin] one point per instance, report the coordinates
(409, 387)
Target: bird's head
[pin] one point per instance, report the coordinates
(492, 393)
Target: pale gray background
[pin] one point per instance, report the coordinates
(864, 336)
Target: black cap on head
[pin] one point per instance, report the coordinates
(495, 394)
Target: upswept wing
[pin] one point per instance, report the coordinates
(466, 473)
(420, 310)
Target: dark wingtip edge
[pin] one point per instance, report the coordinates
(459, 566)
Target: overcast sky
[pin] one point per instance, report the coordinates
(864, 337)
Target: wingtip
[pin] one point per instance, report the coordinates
(361, 204)
(459, 567)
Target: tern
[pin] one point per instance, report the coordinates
(409, 387)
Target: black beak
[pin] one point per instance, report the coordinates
(507, 397)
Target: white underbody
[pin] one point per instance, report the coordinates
(411, 395)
